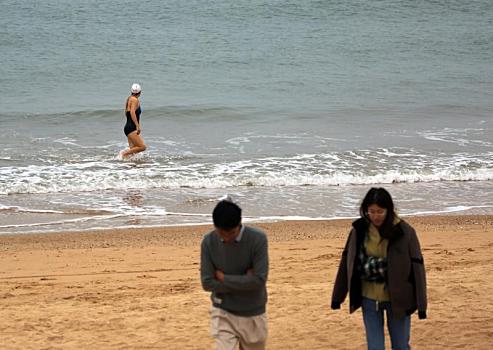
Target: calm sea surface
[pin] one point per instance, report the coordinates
(295, 108)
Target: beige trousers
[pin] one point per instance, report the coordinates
(229, 330)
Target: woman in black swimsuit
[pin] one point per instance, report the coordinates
(132, 127)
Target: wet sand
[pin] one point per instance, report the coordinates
(140, 288)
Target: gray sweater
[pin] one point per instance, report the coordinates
(240, 294)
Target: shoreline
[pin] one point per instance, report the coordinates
(140, 288)
(61, 212)
(246, 221)
(153, 233)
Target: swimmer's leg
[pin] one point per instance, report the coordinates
(136, 144)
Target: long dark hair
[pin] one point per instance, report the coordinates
(381, 197)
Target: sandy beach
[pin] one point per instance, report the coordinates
(140, 288)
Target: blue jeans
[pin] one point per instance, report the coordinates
(399, 329)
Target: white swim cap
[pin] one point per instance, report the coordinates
(135, 88)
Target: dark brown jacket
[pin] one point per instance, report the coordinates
(406, 280)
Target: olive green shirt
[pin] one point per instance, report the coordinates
(376, 246)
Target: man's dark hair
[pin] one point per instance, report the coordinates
(226, 215)
(382, 198)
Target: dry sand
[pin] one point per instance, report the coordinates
(140, 289)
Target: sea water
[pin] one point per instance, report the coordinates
(294, 108)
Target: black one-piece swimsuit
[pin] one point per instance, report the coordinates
(130, 125)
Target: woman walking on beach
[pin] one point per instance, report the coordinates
(132, 128)
(382, 269)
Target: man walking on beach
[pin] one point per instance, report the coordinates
(234, 264)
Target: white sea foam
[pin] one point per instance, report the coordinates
(331, 169)
(72, 211)
(97, 222)
(67, 141)
(461, 137)
(454, 209)
(16, 209)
